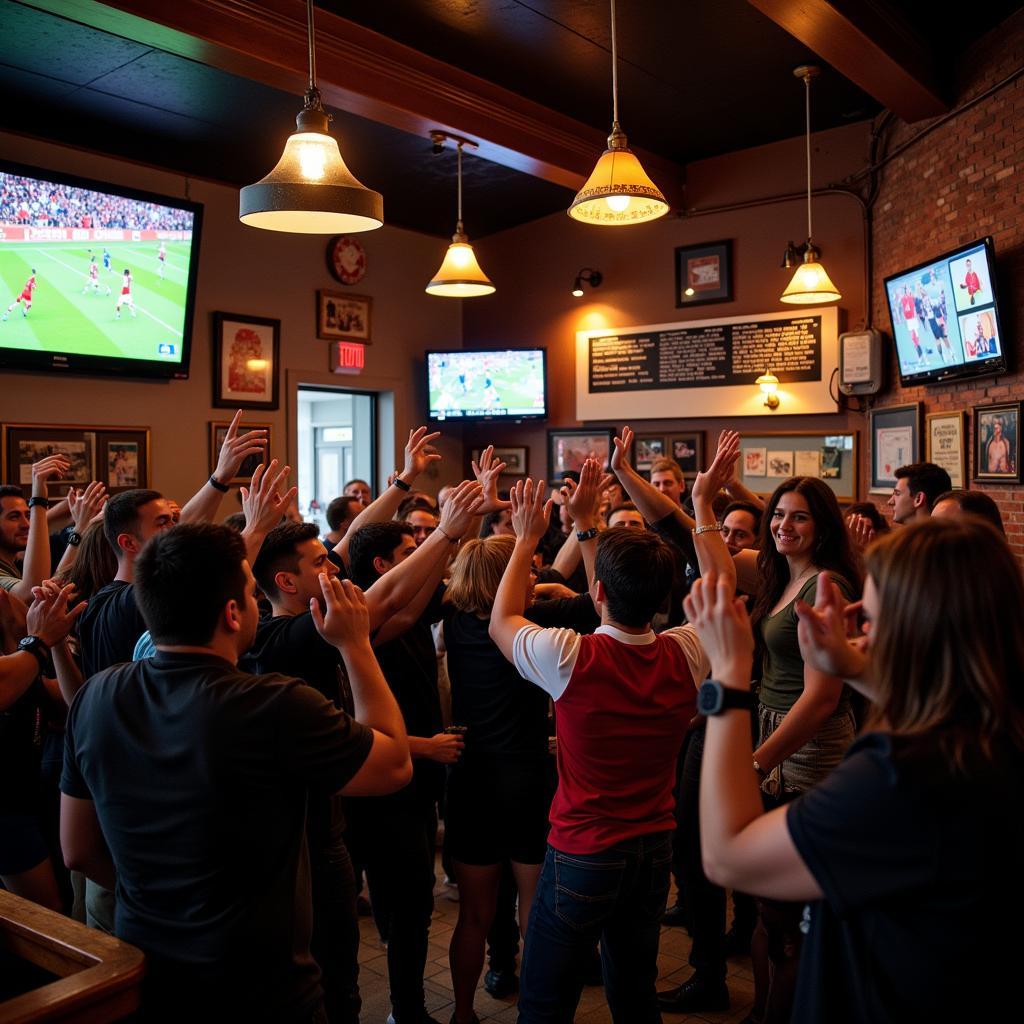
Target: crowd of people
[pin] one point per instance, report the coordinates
(213, 731)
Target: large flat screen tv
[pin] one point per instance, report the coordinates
(507, 384)
(95, 278)
(945, 319)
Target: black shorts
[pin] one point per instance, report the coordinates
(497, 809)
(21, 843)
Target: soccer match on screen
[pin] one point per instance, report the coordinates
(485, 384)
(91, 273)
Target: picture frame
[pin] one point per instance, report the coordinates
(218, 430)
(648, 449)
(688, 451)
(516, 458)
(569, 448)
(895, 433)
(945, 444)
(704, 273)
(769, 457)
(119, 457)
(341, 316)
(997, 442)
(246, 361)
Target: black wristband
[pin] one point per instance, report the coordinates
(584, 535)
(74, 539)
(41, 502)
(218, 486)
(401, 484)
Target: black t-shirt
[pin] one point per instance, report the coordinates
(921, 871)
(199, 774)
(109, 627)
(21, 748)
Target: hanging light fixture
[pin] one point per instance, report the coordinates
(811, 283)
(459, 276)
(618, 191)
(311, 191)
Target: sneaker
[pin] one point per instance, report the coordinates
(694, 996)
(500, 984)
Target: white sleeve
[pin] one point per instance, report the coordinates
(546, 657)
(686, 637)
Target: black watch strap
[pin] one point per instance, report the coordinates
(401, 484)
(583, 535)
(74, 539)
(41, 502)
(36, 647)
(218, 486)
(713, 698)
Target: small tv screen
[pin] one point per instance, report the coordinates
(945, 318)
(497, 384)
(95, 278)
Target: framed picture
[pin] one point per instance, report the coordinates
(569, 449)
(246, 356)
(768, 458)
(997, 442)
(944, 432)
(516, 459)
(688, 451)
(218, 431)
(116, 456)
(340, 315)
(895, 441)
(648, 449)
(703, 273)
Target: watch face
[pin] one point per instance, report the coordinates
(346, 259)
(709, 699)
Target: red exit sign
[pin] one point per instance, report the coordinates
(347, 357)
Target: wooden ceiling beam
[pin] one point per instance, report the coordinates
(364, 73)
(869, 44)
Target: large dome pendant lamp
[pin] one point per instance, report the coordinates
(311, 191)
(810, 284)
(618, 190)
(459, 276)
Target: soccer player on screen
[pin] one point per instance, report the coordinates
(125, 298)
(93, 278)
(106, 261)
(162, 259)
(971, 283)
(25, 297)
(909, 307)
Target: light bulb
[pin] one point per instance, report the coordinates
(578, 292)
(617, 203)
(461, 255)
(312, 160)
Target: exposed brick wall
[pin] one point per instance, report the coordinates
(962, 181)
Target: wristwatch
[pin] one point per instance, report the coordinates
(582, 535)
(36, 647)
(36, 500)
(74, 539)
(713, 698)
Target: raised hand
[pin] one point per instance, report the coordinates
(585, 500)
(53, 466)
(487, 472)
(530, 510)
(85, 505)
(419, 453)
(723, 626)
(51, 616)
(721, 470)
(620, 457)
(823, 631)
(344, 620)
(262, 503)
(459, 509)
(861, 532)
(237, 448)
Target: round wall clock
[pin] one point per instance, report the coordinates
(346, 259)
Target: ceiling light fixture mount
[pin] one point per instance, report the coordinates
(592, 277)
(811, 283)
(459, 276)
(310, 190)
(618, 190)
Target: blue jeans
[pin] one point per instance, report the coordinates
(617, 896)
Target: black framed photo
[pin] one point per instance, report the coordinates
(246, 357)
(997, 442)
(688, 451)
(647, 450)
(895, 441)
(340, 315)
(703, 273)
(569, 449)
(516, 458)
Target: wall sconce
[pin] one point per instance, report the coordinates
(592, 277)
(769, 385)
(792, 256)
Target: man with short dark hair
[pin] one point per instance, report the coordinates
(917, 486)
(185, 779)
(741, 526)
(359, 489)
(340, 513)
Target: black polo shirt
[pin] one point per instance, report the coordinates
(109, 627)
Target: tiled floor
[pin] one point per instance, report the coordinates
(672, 969)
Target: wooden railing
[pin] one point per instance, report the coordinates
(99, 977)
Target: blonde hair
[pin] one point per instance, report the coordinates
(476, 573)
(948, 645)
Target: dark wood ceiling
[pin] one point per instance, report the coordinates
(697, 78)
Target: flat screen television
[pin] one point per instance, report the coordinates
(95, 278)
(945, 318)
(497, 384)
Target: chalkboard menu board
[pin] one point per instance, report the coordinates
(722, 358)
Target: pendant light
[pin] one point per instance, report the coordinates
(618, 191)
(811, 283)
(459, 276)
(311, 191)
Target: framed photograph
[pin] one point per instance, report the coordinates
(516, 459)
(769, 457)
(647, 450)
(895, 432)
(946, 447)
(997, 442)
(703, 273)
(688, 451)
(780, 463)
(340, 315)
(116, 456)
(755, 461)
(246, 357)
(218, 431)
(569, 449)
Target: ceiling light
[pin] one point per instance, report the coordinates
(592, 277)
(811, 283)
(618, 190)
(769, 385)
(311, 191)
(459, 276)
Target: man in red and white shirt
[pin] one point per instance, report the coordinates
(624, 698)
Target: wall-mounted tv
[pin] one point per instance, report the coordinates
(508, 383)
(95, 278)
(945, 319)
